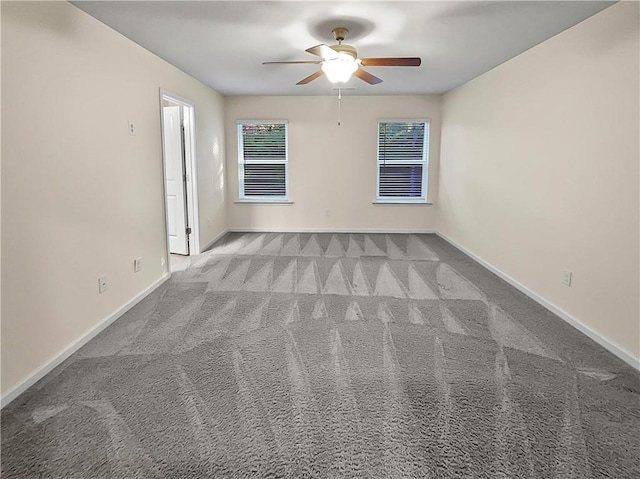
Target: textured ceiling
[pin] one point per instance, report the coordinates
(224, 43)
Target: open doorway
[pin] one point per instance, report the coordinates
(180, 185)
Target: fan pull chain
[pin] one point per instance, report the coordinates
(339, 106)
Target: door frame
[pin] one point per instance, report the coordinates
(191, 187)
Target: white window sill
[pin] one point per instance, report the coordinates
(263, 202)
(402, 202)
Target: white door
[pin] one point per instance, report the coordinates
(174, 168)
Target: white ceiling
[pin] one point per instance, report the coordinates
(223, 44)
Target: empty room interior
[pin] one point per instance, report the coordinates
(320, 239)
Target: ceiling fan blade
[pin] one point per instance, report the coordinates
(391, 62)
(295, 62)
(324, 51)
(311, 77)
(368, 77)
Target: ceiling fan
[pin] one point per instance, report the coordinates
(340, 61)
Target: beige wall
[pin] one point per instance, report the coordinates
(80, 197)
(539, 171)
(331, 168)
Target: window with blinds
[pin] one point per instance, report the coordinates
(403, 156)
(262, 160)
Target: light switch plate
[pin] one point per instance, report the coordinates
(102, 283)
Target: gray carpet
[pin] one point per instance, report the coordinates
(299, 355)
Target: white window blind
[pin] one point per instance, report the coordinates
(403, 151)
(262, 160)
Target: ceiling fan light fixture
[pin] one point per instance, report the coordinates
(339, 70)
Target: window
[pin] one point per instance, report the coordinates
(262, 160)
(403, 157)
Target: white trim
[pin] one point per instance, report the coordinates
(167, 256)
(191, 169)
(213, 241)
(175, 98)
(258, 201)
(252, 229)
(241, 162)
(404, 120)
(192, 181)
(402, 203)
(50, 365)
(260, 122)
(609, 345)
(426, 142)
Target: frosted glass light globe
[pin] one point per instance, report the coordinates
(340, 69)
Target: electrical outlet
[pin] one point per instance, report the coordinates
(102, 283)
(137, 264)
(132, 129)
(566, 278)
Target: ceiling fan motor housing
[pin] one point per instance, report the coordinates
(347, 49)
(339, 33)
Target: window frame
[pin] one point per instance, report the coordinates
(241, 162)
(424, 162)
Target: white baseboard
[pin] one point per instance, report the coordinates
(18, 389)
(252, 229)
(212, 242)
(46, 368)
(609, 345)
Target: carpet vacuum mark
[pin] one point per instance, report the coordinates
(331, 356)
